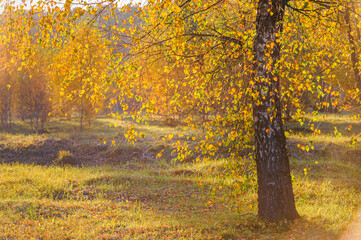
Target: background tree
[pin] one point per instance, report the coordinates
(33, 91)
(80, 71)
(6, 80)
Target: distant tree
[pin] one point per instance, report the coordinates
(5, 89)
(7, 65)
(79, 72)
(33, 93)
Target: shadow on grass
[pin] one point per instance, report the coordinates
(46, 152)
(91, 146)
(185, 202)
(59, 126)
(148, 204)
(342, 123)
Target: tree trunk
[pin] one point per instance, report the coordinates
(356, 21)
(43, 119)
(275, 194)
(81, 120)
(37, 123)
(9, 108)
(81, 115)
(354, 55)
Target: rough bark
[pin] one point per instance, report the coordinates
(356, 21)
(10, 97)
(36, 123)
(81, 113)
(354, 55)
(275, 194)
(81, 119)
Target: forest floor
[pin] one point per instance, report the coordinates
(123, 191)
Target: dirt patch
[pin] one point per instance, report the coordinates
(353, 232)
(352, 156)
(328, 150)
(184, 172)
(42, 153)
(295, 151)
(83, 153)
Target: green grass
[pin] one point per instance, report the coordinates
(148, 198)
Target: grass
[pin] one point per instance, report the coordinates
(138, 196)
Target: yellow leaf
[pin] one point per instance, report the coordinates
(81, 93)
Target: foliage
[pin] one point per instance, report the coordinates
(79, 72)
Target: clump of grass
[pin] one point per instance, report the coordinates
(65, 158)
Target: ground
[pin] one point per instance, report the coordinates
(124, 191)
(353, 231)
